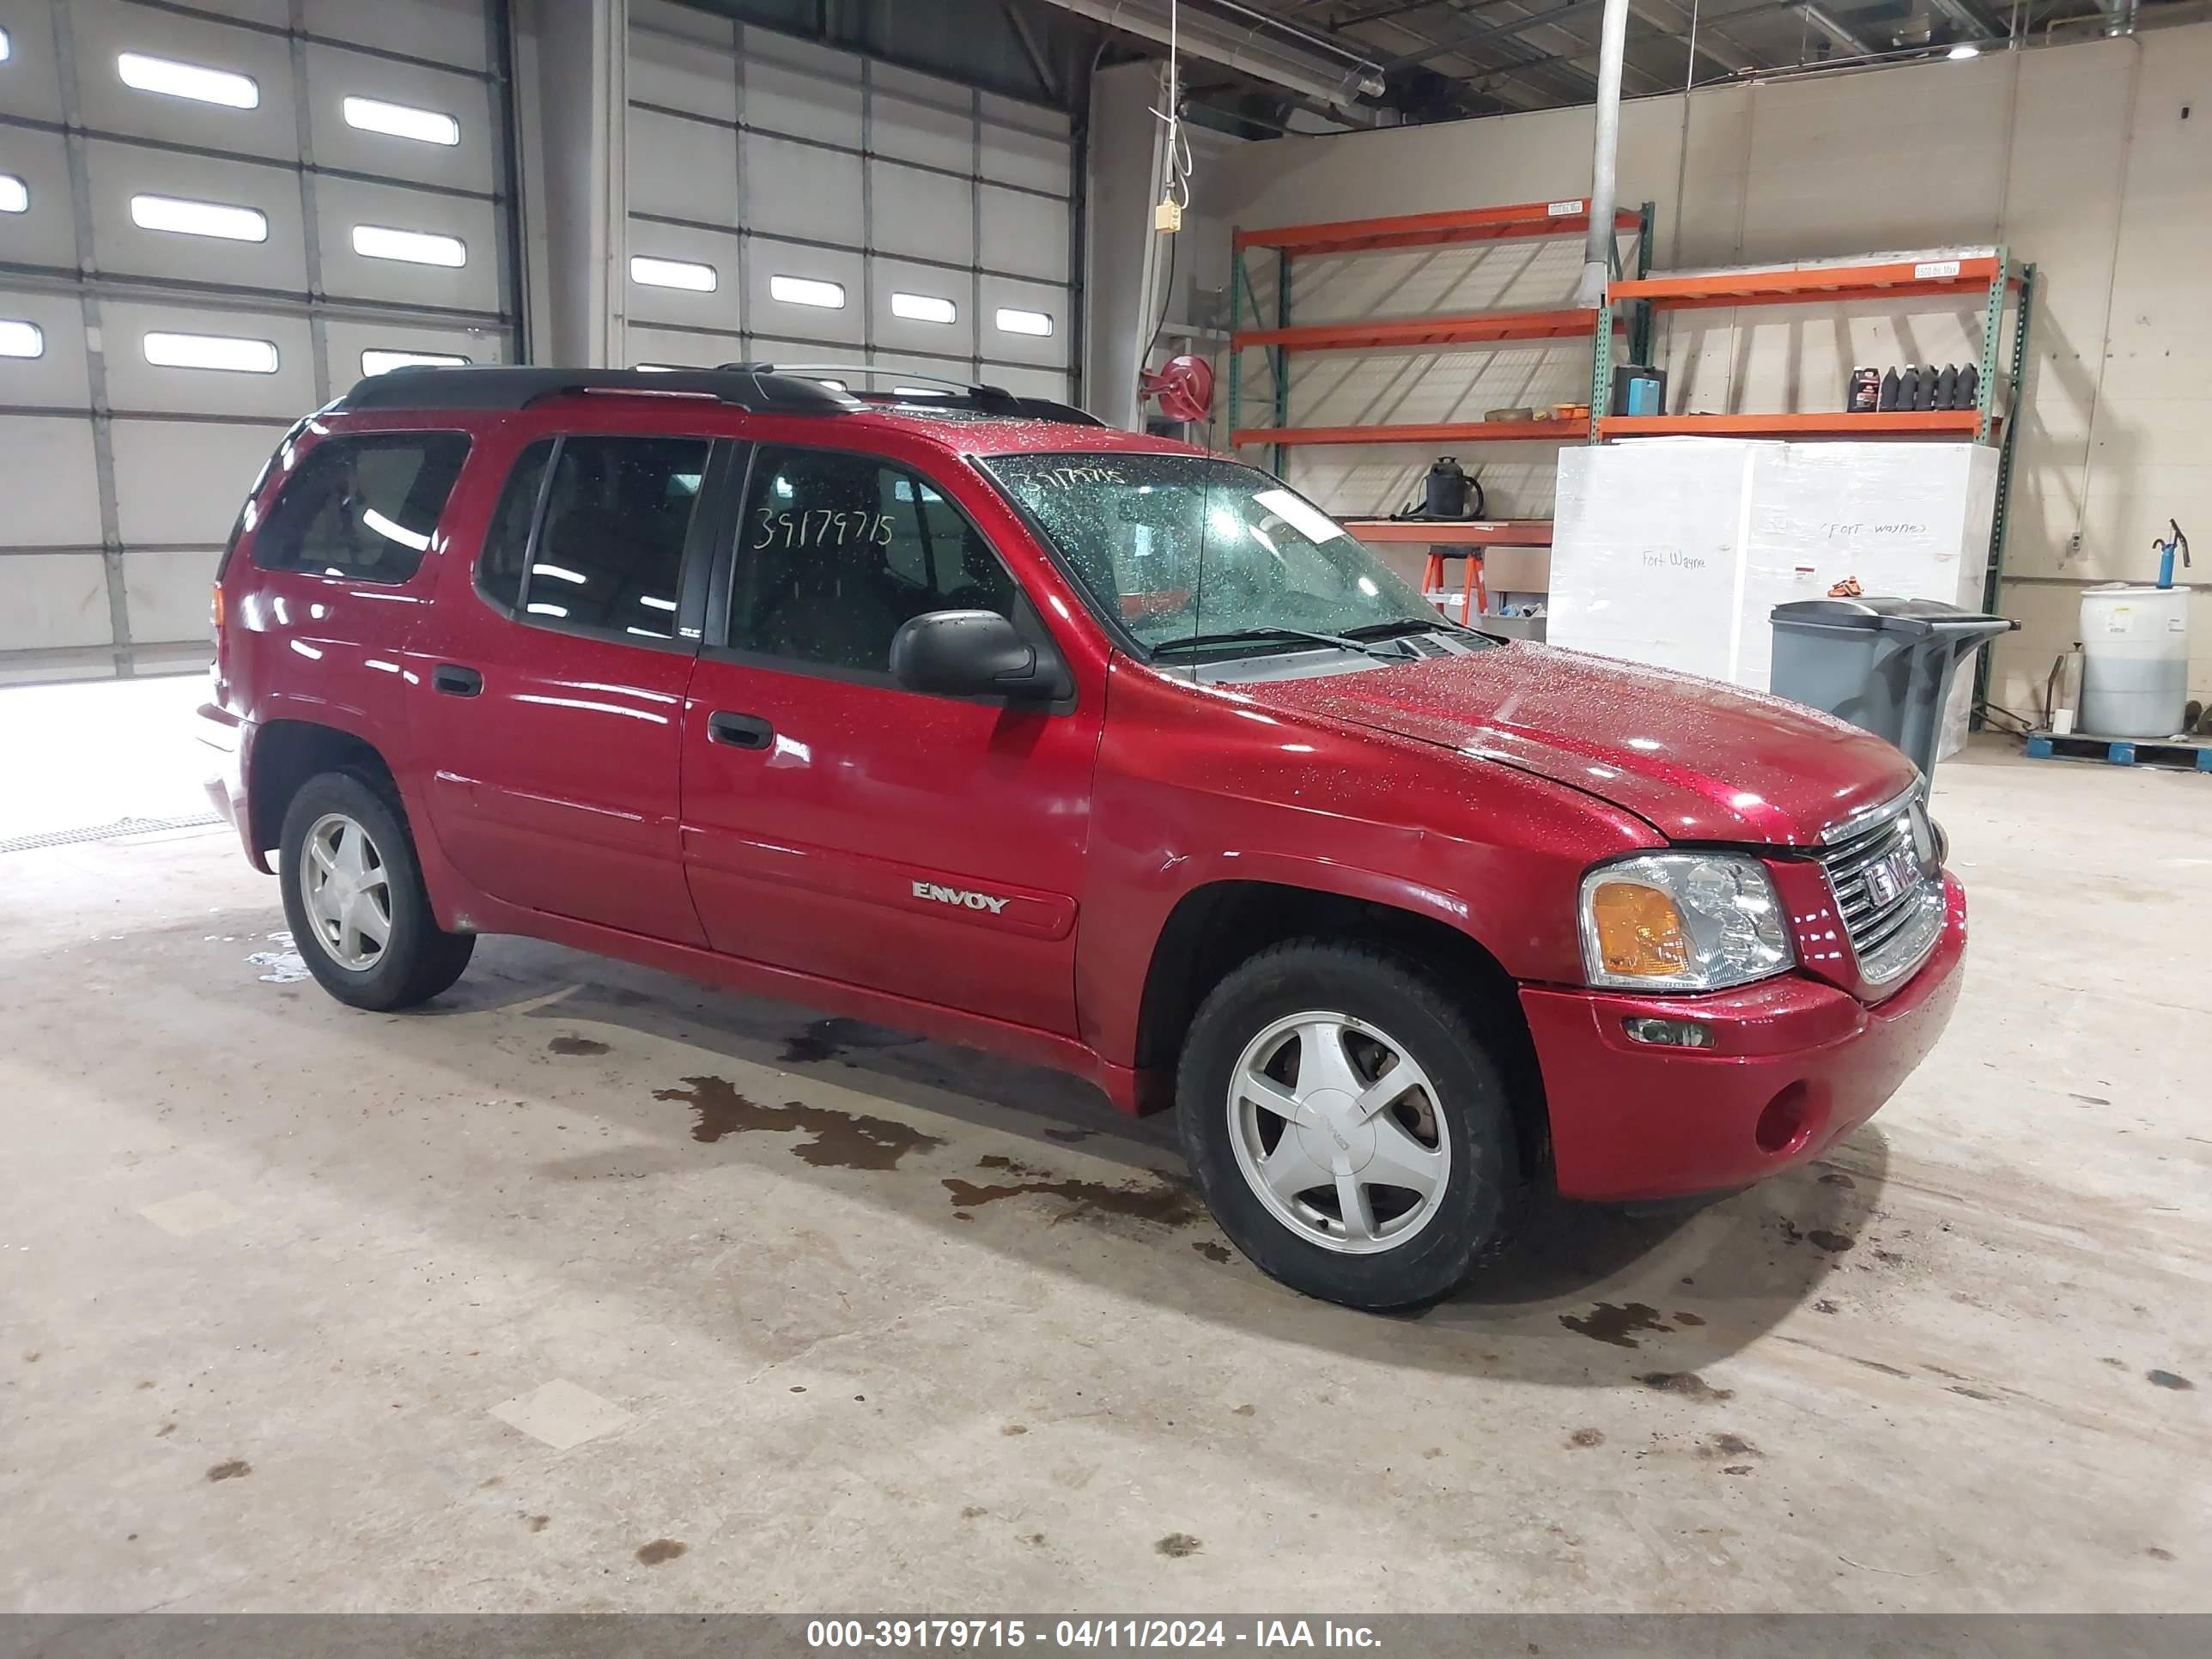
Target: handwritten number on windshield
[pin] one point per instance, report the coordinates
(1068, 477)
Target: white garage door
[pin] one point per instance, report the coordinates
(789, 203)
(212, 219)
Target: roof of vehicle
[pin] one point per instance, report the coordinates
(975, 419)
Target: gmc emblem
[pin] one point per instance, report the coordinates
(1892, 876)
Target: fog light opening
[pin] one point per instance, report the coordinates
(1787, 1122)
(1669, 1033)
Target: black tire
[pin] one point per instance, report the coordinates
(1395, 994)
(419, 959)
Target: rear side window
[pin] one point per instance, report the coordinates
(590, 533)
(362, 508)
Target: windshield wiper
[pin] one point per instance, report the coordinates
(1240, 635)
(1398, 627)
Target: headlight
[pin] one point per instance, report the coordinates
(1682, 921)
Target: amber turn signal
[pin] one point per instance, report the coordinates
(215, 608)
(1639, 932)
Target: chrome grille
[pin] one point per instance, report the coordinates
(1888, 893)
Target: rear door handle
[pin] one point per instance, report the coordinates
(739, 730)
(456, 681)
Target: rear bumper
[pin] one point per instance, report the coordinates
(1797, 1065)
(225, 740)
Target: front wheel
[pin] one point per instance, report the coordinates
(354, 895)
(1348, 1125)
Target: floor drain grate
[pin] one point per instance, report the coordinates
(107, 831)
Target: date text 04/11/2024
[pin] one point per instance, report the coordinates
(832, 1634)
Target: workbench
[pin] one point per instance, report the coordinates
(1514, 553)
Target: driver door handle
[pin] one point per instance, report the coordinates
(456, 681)
(739, 730)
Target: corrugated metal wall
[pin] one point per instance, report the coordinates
(211, 219)
(791, 202)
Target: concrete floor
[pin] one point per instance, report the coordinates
(522, 1302)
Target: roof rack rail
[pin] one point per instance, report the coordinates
(752, 387)
(928, 390)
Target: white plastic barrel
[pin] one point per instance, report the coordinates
(2134, 660)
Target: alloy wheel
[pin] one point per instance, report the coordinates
(1337, 1129)
(345, 887)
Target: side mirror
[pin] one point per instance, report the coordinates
(974, 654)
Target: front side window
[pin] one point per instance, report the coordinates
(1185, 549)
(363, 508)
(837, 551)
(598, 543)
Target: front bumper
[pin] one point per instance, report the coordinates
(1795, 1066)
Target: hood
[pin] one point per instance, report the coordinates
(1695, 759)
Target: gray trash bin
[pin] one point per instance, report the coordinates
(1884, 665)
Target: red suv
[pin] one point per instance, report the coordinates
(963, 713)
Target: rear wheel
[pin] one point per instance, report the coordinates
(1347, 1124)
(354, 894)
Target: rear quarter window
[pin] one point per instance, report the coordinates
(363, 508)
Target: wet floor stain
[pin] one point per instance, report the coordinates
(1681, 1318)
(2168, 1380)
(1163, 1200)
(1971, 1394)
(838, 1140)
(1212, 1251)
(1614, 1322)
(1583, 1439)
(1728, 1445)
(1688, 1384)
(806, 1050)
(537, 1523)
(575, 1045)
(2158, 1555)
(831, 1039)
(166, 1430)
(1837, 1178)
(231, 1470)
(1177, 1545)
(659, 1549)
(1834, 1243)
(1014, 1428)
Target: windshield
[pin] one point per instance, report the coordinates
(1184, 549)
